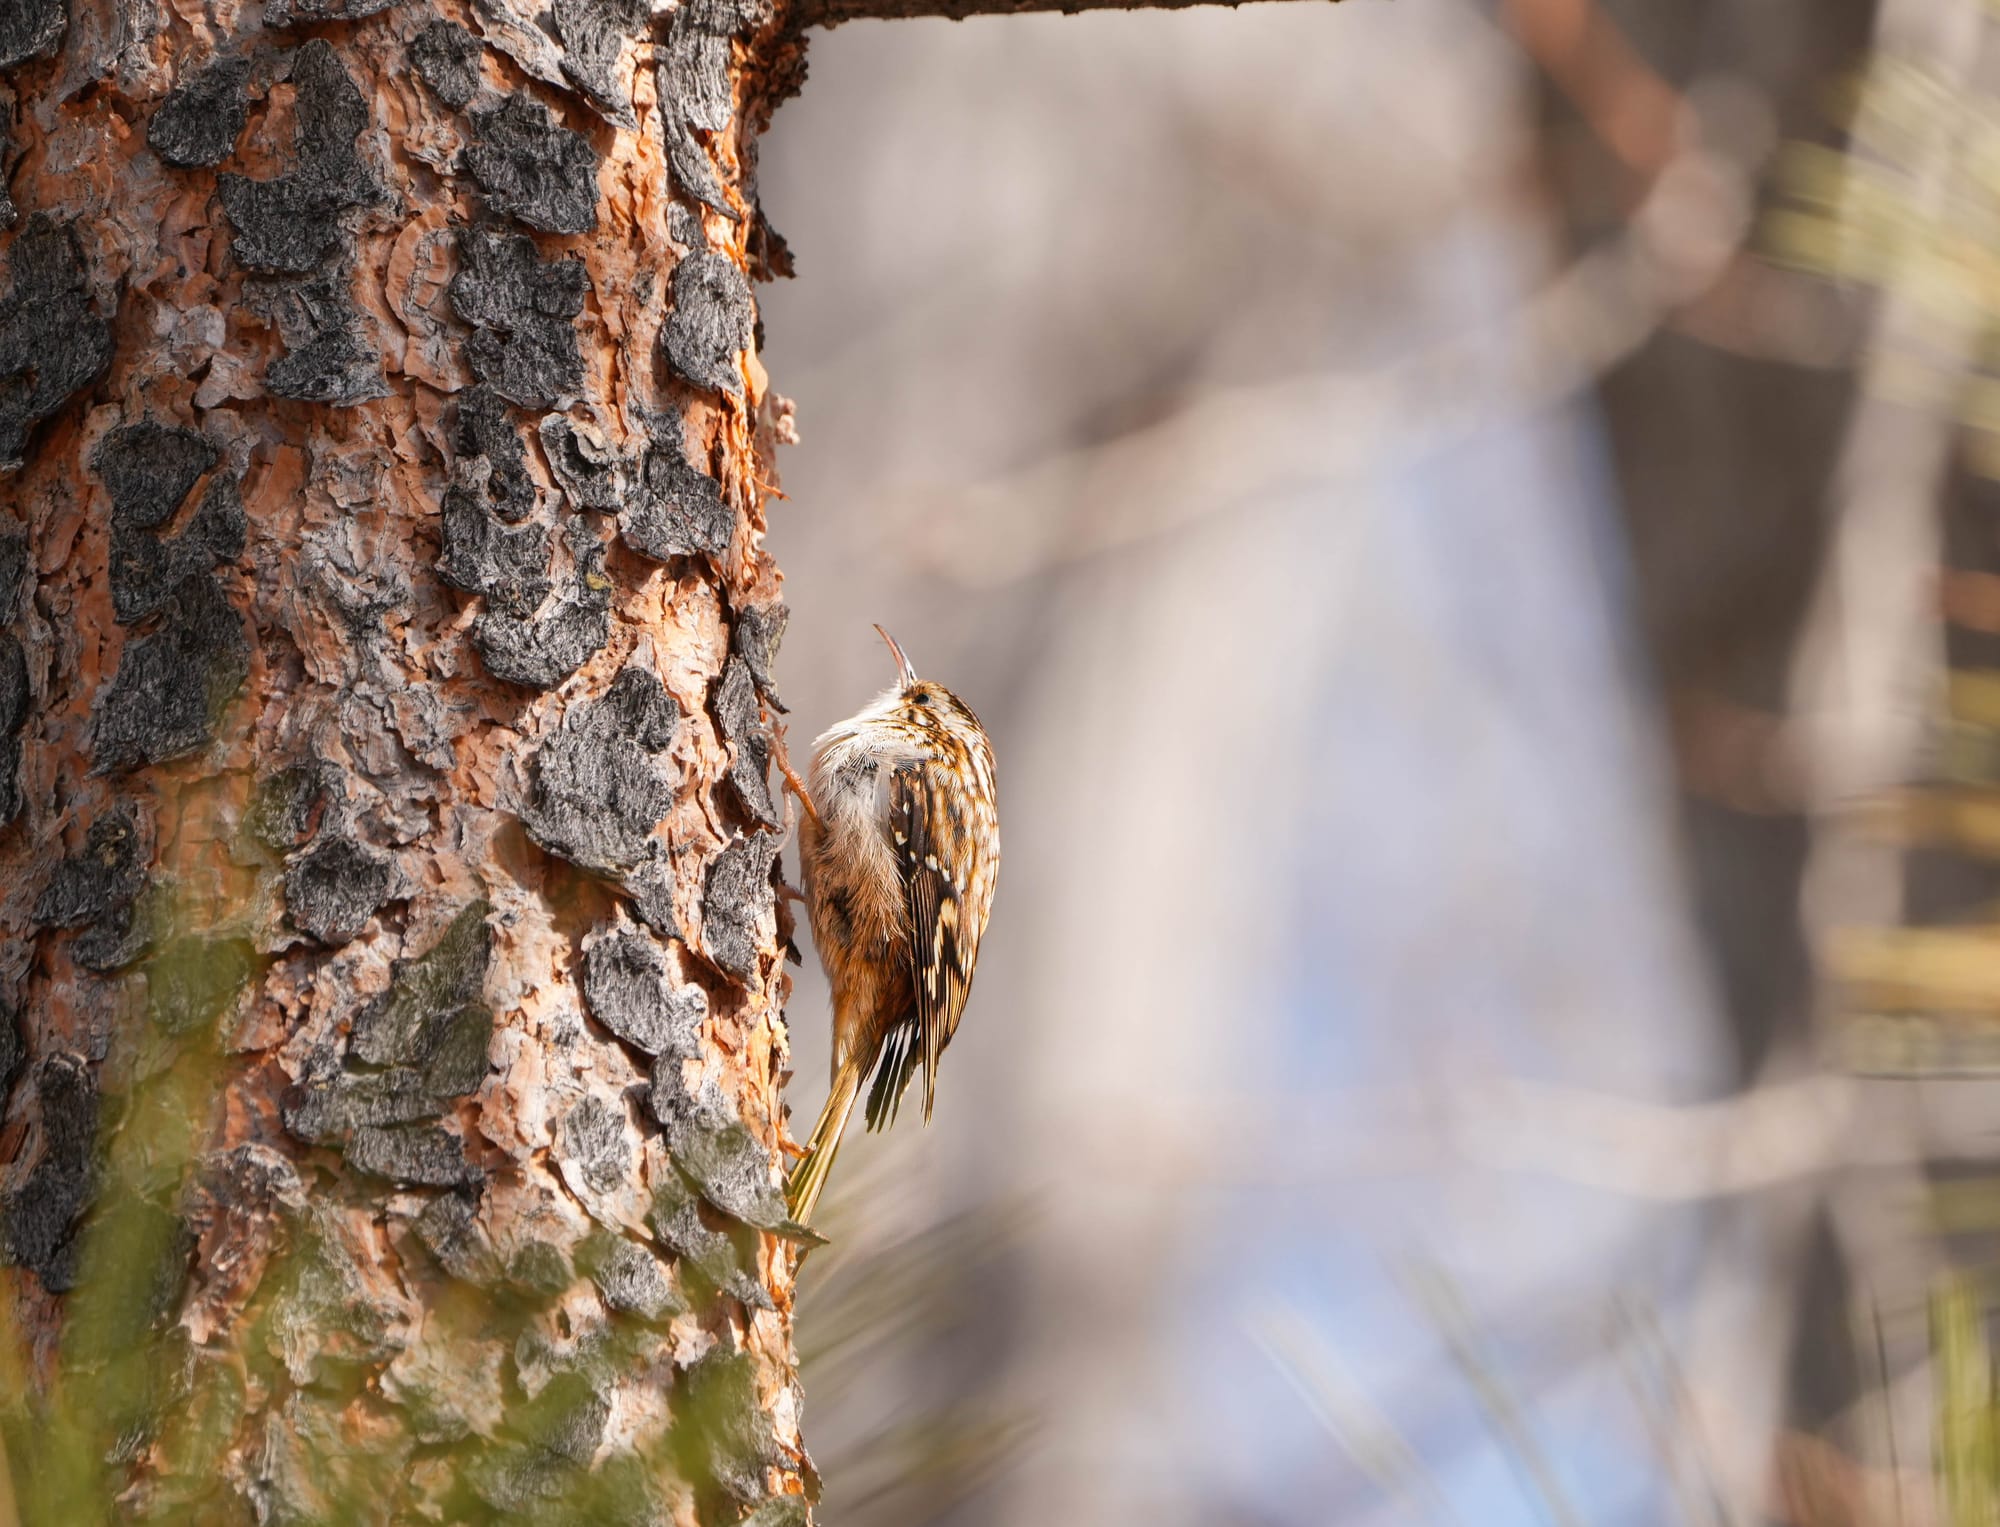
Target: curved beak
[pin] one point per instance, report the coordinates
(906, 673)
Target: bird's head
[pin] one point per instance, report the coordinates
(921, 704)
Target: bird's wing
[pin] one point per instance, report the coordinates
(934, 849)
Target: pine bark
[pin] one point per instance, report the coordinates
(391, 971)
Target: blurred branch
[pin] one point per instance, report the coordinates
(1367, 1436)
(1872, 650)
(866, 1317)
(1187, 467)
(1741, 757)
(1776, 1135)
(929, 1462)
(1887, 1396)
(1438, 1296)
(1632, 110)
(1660, 1393)
(829, 13)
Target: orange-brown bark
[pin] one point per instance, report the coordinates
(315, 838)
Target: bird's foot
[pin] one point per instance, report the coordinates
(792, 781)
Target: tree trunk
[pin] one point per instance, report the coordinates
(390, 967)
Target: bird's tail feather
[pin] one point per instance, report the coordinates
(808, 1178)
(894, 1066)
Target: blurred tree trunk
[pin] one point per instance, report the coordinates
(1722, 434)
(390, 967)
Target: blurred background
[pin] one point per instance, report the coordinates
(1472, 527)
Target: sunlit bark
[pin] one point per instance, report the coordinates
(389, 955)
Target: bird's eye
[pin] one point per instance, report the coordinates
(920, 698)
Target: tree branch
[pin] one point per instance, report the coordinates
(829, 13)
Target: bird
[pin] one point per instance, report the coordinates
(899, 851)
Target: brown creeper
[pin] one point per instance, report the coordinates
(900, 850)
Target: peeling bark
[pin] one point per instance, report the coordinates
(390, 968)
